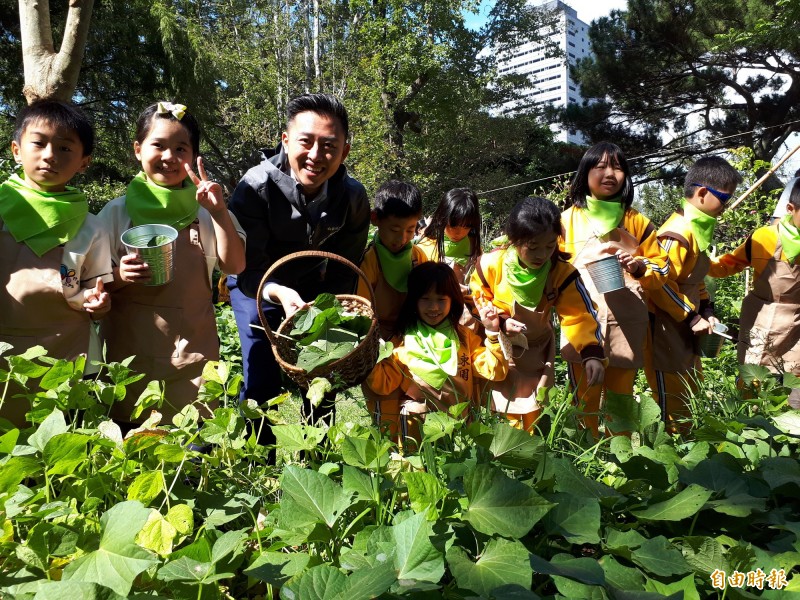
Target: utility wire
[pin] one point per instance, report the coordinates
(664, 151)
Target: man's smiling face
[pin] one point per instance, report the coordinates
(316, 147)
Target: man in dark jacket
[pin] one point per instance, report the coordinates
(298, 198)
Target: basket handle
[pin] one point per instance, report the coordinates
(303, 254)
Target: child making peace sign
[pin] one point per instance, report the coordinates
(170, 328)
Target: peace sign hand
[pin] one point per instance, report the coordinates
(209, 193)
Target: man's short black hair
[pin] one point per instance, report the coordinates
(321, 104)
(58, 114)
(398, 199)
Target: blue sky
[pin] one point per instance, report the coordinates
(588, 10)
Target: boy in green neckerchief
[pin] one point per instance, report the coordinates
(681, 311)
(386, 263)
(56, 256)
(769, 324)
(390, 257)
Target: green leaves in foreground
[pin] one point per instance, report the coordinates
(118, 559)
(681, 506)
(502, 562)
(499, 505)
(312, 497)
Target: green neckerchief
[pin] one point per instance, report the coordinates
(432, 352)
(149, 203)
(527, 285)
(790, 238)
(701, 224)
(458, 252)
(604, 215)
(395, 267)
(42, 220)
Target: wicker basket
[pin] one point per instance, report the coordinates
(351, 369)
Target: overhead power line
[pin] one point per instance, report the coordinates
(663, 152)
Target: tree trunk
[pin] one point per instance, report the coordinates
(51, 74)
(307, 44)
(315, 47)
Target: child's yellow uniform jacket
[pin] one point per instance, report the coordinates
(533, 351)
(622, 314)
(683, 299)
(564, 291)
(756, 251)
(769, 332)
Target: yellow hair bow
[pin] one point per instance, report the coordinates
(177, 110)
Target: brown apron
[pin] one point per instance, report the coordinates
(35, 312)
(387, 306)
(468, 318)
(675, 345)
(170, 328)
(622, 314)
(770, 321)
(533, 367)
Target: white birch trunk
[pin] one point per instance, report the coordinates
(315, 47)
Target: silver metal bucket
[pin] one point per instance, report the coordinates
(606, 274)
(155, 245)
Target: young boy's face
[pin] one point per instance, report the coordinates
(707, 201)
(49, 155)
(795, 212)
(395, 232)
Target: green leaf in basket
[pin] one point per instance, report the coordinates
(335, 335)
(327, 332)
(304, 320)
(313, 357)
(356, 322)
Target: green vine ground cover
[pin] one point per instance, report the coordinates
(480, 510)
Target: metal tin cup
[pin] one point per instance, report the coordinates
(155, 245)
(606, 274)
(711, 343)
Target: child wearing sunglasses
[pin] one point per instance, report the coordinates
(681, 310)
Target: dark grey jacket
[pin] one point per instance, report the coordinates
(268, 205)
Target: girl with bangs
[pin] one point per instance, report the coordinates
(600, 222)
(527, 280)
(453, 236)
(437, 360)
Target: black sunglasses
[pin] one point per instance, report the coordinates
(723, 197)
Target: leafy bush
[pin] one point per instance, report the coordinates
(193, 510)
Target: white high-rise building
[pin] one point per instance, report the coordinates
(549, 75)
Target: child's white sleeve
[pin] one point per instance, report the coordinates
(86, 257)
